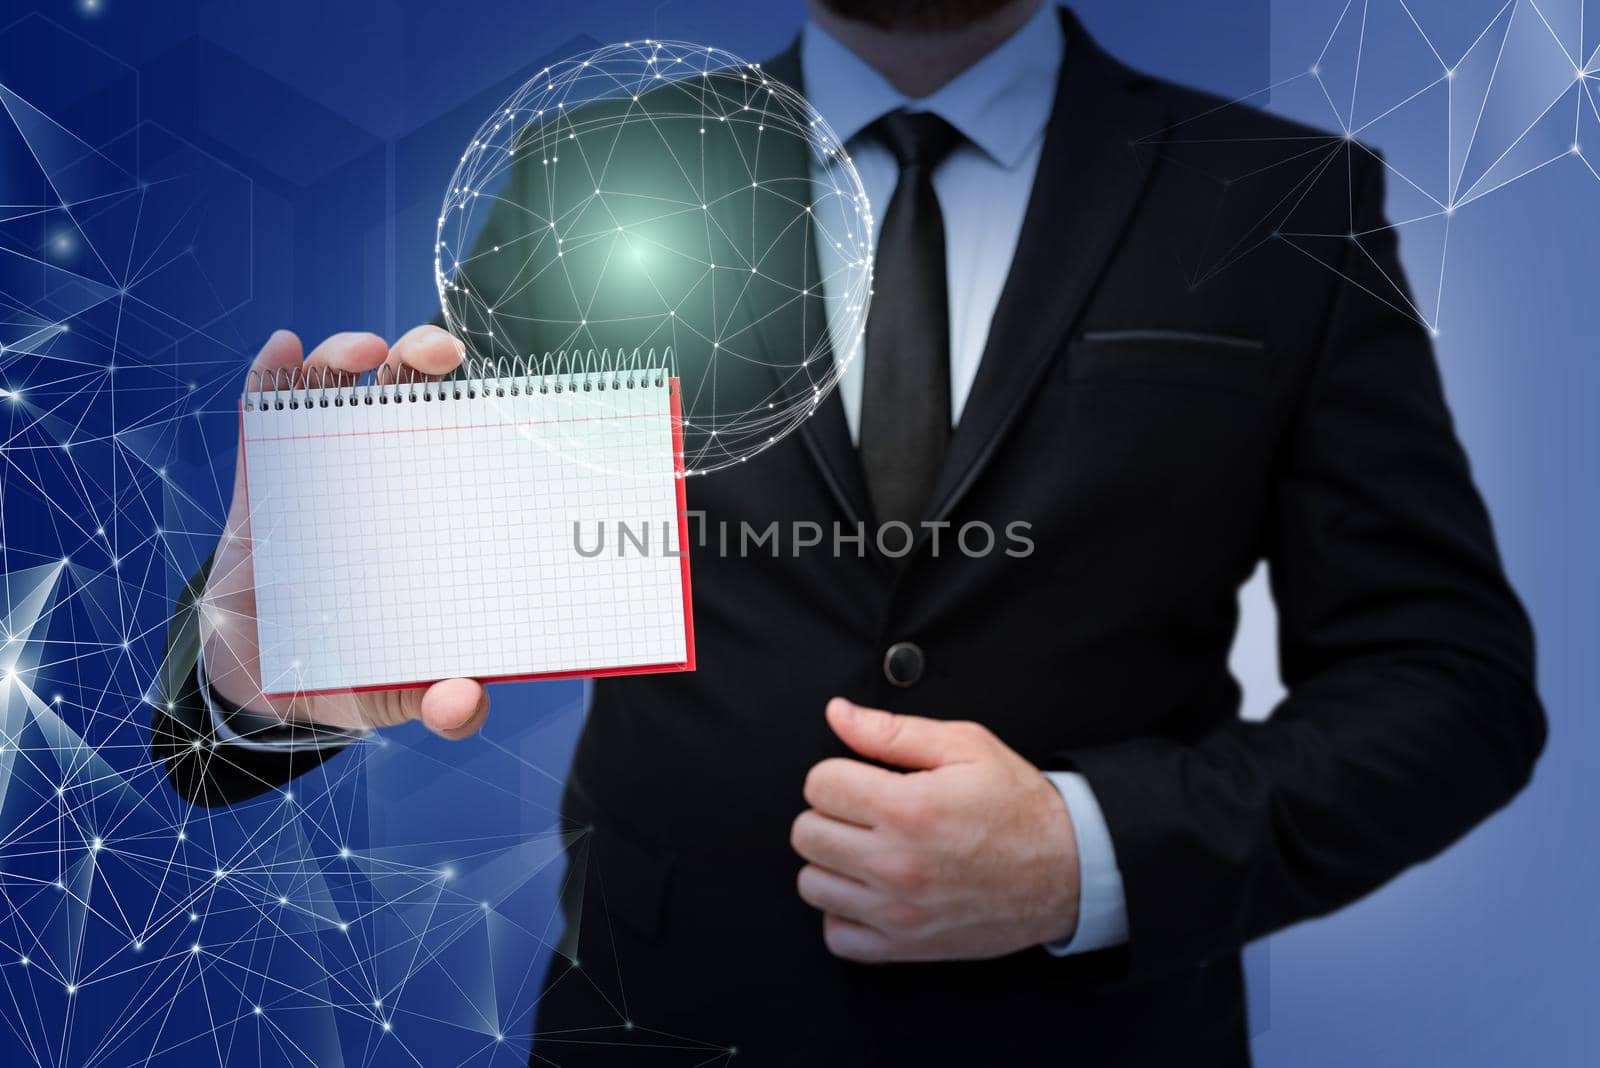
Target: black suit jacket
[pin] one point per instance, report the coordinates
(1161, 438)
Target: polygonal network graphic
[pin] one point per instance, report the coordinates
(668, 196)
(1460, 109)
(341, 920)
(134, 927)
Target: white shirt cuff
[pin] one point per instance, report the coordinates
(1102, 907)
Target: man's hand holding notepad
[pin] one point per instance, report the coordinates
(390, 548)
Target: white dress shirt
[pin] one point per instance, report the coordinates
(1001, 105)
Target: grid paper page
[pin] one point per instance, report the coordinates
(404, 542)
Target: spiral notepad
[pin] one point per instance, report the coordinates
(516, 521)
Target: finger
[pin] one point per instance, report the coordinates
(351, 351)
(342, 711)
(828, 891)
(429, 350)
(454, 708)
(856, 941)
(904, 741)
(833, 844)
(850, 790)
(280, 353)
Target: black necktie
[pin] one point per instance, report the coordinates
(905, 400)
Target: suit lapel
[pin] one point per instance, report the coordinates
(825, 434)
(1087, 187)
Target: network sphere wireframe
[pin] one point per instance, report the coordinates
(656, 195)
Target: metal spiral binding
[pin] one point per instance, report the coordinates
(568, 370)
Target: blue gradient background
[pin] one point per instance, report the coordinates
(335, 127)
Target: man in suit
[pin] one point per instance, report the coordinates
(969, 807)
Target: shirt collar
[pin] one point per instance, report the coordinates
(1001, 103)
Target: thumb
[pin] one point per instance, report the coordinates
(905, 741)
(454, 708)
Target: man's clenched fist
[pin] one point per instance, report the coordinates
(969, 854)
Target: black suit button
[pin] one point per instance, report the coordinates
(903, 663)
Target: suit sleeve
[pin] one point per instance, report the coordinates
(1411, 711)
(204, 766)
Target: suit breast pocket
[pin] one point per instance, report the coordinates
(1163, 433)
(1162, 359)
